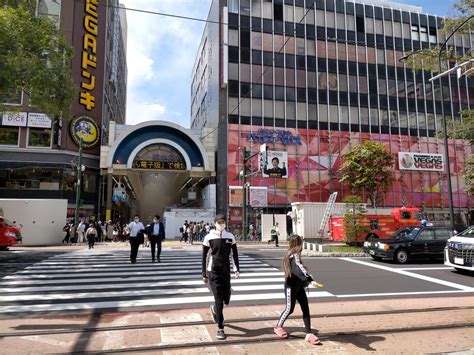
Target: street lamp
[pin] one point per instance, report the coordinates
(445, 127)
(80, 169)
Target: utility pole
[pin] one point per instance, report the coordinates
(78, 184)
(245, 158)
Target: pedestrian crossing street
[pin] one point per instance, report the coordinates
(98, 279)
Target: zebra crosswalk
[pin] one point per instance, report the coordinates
(102, 279)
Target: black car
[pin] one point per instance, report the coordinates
(410, 242)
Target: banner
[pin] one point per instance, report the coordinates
(39, 120)
(15, 119)
(236, 196)
(258, 196)
(277, 165)
(421, 161)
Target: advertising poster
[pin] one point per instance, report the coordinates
(277, 165)
(236, 196)
(258, 196)
(420, 161)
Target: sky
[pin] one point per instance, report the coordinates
(161, 53)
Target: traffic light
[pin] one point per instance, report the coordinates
(263, 156)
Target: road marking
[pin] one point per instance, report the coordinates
(159, 292)
(427, 268)
(411, 274)
(400, 294)
(39, 277)
(126, 277)
(146, 302)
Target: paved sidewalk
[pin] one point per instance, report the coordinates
(435, 325)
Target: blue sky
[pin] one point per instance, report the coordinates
(161, 53)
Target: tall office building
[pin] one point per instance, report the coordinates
(313, 78)
(38, 154)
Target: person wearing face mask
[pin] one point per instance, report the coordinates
(220, 244)
(156, 234)
(135, 227)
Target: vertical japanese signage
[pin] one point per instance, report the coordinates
(89, 55)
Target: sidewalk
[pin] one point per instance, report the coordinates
(434, 325)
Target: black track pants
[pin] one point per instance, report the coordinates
(293, 294)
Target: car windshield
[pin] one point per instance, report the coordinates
(468, 233)
(406, 233)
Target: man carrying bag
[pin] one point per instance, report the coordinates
(156, 234)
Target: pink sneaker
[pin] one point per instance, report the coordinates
(280, 332)
(312, 339)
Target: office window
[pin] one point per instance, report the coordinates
(9, 135)
(432, 34)
(412, 119)
(289, 13)
(312, 112)
(233, 38)
(290, 111)
(331, 22)
(382, 87)
(340, 22)
(369, 25)
(245, 7)
(50, 9)
(301, 111)
(333, 116)
(415, 33)
(374, 117)
(360, 24)
(344, 114)
(267, 108)
(364, 116)
(310, 48)
(354, 113)
(394, 118)
(12, 98)
(267, 9)
(277, 11)
(352, 83)
(403, 120)
(363, 85)
(234, 6)
(300, 42)
(406, 31)
(233, 106)
(310, 17)
(279, 109)
(323, 113)
(423, 34)
(39, 137)
(320, 20)
(350, 23)
(380, 56)
(256, 107)
(256, 8)
(299, 14)
(387, 25)
(233, 71)
(245, 107)
(342, 82)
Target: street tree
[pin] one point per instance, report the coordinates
(34, 58)
(354, 211)
(368, 168)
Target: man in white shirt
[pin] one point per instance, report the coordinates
(81, 230)
(135, 227)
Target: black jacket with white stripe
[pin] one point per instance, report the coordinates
(221, 245)
(299, 277)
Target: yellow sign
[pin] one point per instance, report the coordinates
(89, 54)
(159, 165)
(86, 128)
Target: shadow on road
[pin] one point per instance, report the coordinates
(361, 341)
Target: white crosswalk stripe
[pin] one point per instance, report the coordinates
(105, 279)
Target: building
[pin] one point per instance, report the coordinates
(312, 78)
(39, 154)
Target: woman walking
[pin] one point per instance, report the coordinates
(296, 279)
(91, 234)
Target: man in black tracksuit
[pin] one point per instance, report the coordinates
(216, 271)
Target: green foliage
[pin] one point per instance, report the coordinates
(368, 168)
(353, 216)
(469, 176)
(34, 57)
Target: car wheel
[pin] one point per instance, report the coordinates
(402, 256)
(376, 258)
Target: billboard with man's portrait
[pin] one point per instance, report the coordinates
(277, 165)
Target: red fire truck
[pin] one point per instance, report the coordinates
(379, 226)
(10, 235)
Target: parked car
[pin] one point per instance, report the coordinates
(459, 251)
(410, 242)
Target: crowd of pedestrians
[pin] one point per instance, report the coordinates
(194, 231)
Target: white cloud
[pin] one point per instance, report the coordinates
(160, 58)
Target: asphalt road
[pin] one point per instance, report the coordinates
(61, 281)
